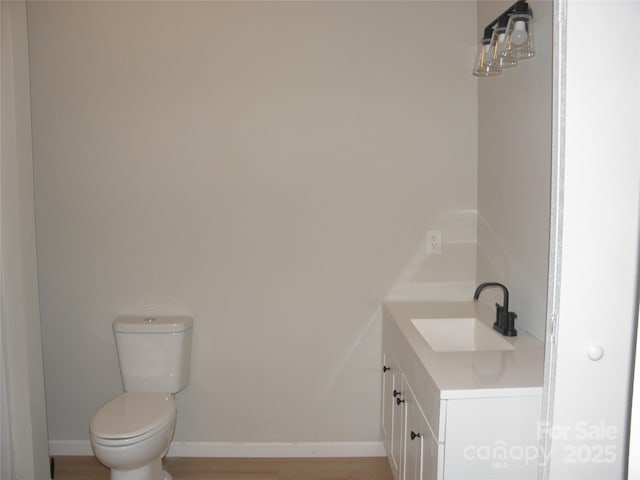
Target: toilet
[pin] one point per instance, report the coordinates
(131, 433)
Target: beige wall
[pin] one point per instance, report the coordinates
(514, 169)
(268, 168)
(24, 426)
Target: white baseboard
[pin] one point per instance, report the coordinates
(242, 449)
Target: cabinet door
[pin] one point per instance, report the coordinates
(387, 413)
(414, 436)
(422, 450)
(432, 457)
(393, 417)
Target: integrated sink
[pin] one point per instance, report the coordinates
(459, 335)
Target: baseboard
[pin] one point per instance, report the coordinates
(242, 449)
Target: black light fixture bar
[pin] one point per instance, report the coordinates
(519, 6)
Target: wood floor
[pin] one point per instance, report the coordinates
(88, 468)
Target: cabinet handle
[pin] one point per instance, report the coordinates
(385, 368)
(414, 435)
(396, 393)
(399, 401)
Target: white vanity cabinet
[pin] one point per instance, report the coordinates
(461, 431)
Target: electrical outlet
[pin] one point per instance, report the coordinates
(434, 242)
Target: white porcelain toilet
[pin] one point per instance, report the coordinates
(131, 433)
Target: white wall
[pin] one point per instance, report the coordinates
(514, 168)
(25, 450)
(268, 168)
(449, 275)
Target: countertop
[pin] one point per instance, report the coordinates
(471, 374)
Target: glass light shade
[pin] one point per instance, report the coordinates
(504, 53)
(483, 66)
(520, 35)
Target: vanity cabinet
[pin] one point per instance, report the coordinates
(468, 433)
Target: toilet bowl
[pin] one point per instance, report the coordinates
(131, 433)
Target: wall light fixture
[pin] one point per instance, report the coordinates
(506, 40)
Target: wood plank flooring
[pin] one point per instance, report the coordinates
(88, 468)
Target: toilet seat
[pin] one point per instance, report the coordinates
(132, 417)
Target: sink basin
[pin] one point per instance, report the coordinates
(459, 335)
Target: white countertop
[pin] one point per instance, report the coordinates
(472, 374)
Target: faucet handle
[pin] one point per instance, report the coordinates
(505, 323)
(498, 325)
(511, 325)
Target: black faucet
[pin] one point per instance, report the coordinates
(505, 320)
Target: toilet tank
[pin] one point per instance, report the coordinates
(154, 352)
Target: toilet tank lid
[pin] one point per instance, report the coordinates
(152, 324)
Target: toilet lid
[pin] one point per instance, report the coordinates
(132, 414)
